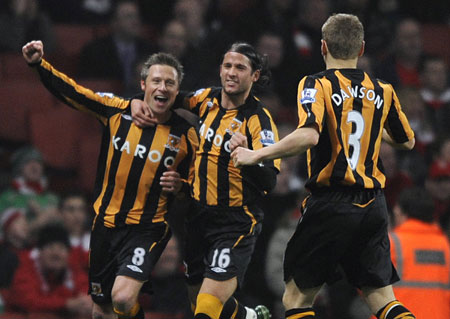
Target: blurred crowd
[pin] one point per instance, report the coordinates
(45, 212)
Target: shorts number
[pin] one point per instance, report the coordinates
(224, 258)
(354, 138)
(138, 257)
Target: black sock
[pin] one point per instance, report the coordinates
(300, 313)
(232, 309)
(393, 310)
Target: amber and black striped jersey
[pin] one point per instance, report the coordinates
(132, 159)
(216, 181)
(350, 109)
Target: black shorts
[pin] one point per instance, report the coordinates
(346, 229)
(130, 251)
(220, 242)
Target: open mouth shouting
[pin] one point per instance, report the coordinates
(161, 98)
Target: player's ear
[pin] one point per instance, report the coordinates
(256, 75)
(323, 47)
(361, 51)
(142, 85)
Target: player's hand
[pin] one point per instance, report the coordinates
(243, 156)
(33, 51)
(171, 181)
(142, 114)
(238, 140)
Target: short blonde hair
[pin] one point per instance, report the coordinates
(344, 35)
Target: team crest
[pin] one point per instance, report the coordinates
(173, 143)
(267, 137)
(234, 126)
(308, 96)
(96, 289)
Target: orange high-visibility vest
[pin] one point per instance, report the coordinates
(421, 254)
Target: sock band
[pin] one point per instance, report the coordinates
(208, 305)
(394, 310)
(300, 313)
(130, 314)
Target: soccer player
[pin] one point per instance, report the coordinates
(343, 116)
(225, 220)
(138, 172)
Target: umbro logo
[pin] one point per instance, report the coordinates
(134, 268)
(218, 269)
(127, 117)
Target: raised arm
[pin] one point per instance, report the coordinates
(102, 105)
(33, 52)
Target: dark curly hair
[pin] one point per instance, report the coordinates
(257, 61)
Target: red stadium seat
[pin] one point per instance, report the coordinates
(70, 41)
(56, 134)
(18, 100)
(71, 38)
(13, 67)
(87, 165)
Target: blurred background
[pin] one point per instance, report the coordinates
(48, 152)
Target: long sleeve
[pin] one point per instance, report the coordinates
(101, 105)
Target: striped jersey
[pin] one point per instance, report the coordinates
(132, 159)
(350, 109)
(216, 181)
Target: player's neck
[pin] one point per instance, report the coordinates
(333, 63)
(230, 101)
(163, 117)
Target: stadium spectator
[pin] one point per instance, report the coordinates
(422, 125)
(29, 188)
(435, 92)
(283, 66)
(23, 21)
(192, 14)
(74, 211)
(401, 66)
(274, 257)
(115, 55)
(79, 11)
(174, 40)
(45, 282)
(306, 34)
(266, 16)
(421, 253)
(206, 40)
(14, 238)
(438, 184)
(168, 284)
(396, 179)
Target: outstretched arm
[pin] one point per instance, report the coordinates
(295, 143)
(102, 105)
